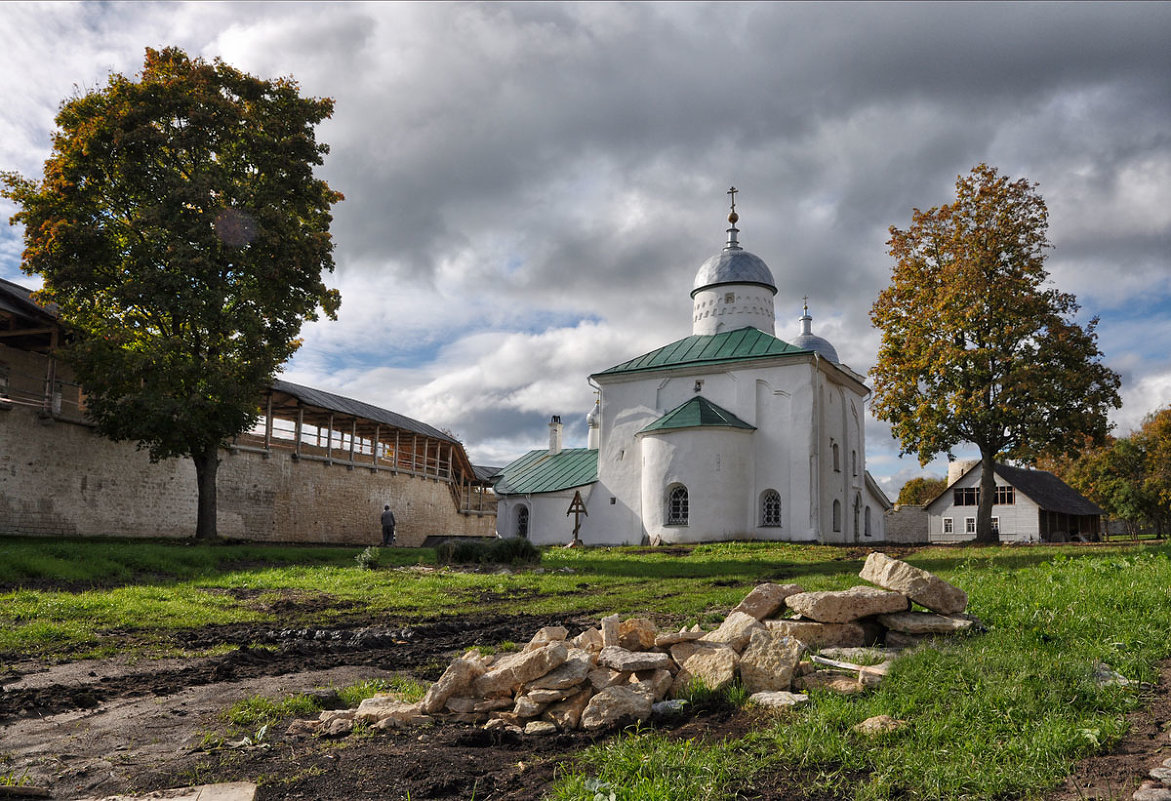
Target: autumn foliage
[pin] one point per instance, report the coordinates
(182, 234)
(976, 346)
(1128, 476)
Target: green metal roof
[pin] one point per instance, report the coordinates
(540, 471)
(695, 413)
(708, 349)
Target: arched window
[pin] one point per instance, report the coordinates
(837, 459)
(522, 522)
(857, 515)
(837, 515)
(854, 463)
(677, 510)
(770, 508)
(866, 531)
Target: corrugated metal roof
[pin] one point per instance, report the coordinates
(695, 413)
(336, 403)
(484, 472)
(541, 471)
(706, 349)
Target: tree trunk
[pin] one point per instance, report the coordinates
(207, 462)
(984, 533)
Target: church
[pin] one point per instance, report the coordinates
(727, 434)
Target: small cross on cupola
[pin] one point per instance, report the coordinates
(733, 242)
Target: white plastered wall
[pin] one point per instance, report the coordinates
(1019, 521)
(715, 465)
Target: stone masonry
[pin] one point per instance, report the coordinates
(626, 671)
(61, 479)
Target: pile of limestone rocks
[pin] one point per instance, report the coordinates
(628, 671)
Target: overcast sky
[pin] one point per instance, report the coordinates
(531, 188)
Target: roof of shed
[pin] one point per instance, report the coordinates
(541, 471)
(697, 412)
(708, 349)
(1048, 491)
(1042, 487)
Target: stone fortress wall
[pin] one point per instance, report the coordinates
(59, 478)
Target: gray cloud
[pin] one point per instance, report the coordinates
(531, 187)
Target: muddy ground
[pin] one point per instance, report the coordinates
(95, 728)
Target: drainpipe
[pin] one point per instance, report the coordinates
(815, 450)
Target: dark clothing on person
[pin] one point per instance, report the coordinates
(388, 527)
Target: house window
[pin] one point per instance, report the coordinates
(948, 527)
(770, 509)
(1005, 496)
(837, 515)
(522, 522)
(969, 525)
(996, 526)
(966, 496)
(866, 531)
(677, 510)
(837, 460)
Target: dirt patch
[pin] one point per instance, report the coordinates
(1117, 774)
(99, 727)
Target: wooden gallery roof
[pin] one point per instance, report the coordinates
(325, 410)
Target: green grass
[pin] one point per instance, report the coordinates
(999, 715)
(256, 713)
(995, 716)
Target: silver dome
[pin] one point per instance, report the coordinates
(734, 266)
(594, 417)
(807, 340)
(817, 344)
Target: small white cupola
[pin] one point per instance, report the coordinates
(594, 424)
(807, 340)
(733, 289)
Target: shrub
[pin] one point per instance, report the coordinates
(511, 551)
(368, 559)
(515, 551)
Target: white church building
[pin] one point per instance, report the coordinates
(727, 434)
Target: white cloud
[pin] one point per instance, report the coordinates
(531, 187)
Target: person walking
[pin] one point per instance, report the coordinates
(387, 527)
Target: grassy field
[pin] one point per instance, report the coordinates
(1000, 715)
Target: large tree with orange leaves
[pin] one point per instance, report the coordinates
(976, 346)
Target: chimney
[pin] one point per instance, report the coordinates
(555, 435)
(957, 468)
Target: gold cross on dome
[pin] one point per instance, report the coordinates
(733, 192)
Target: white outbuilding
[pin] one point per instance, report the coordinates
(727, 434)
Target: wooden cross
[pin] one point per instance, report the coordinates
(577, 508)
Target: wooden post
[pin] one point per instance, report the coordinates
(374, 444)
(300, 427)
(329, 438)
(268, 423)
(50, 374)
(353, 437)
(396, 454)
